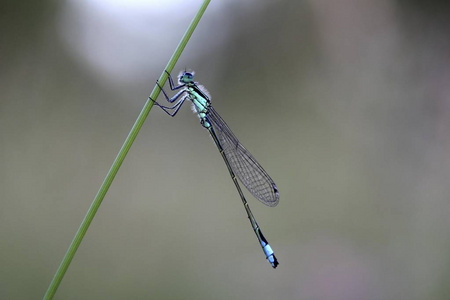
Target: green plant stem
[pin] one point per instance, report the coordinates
(120, 158)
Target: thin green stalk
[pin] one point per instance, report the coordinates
(120, 158)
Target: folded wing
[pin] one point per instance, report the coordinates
(243, 164)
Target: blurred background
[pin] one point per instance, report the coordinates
(345, 103)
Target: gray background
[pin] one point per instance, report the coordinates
(345, 103)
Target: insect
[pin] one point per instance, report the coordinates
(240, 163)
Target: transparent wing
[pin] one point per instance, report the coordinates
(243, 164)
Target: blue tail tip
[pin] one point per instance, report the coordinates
(273, 261)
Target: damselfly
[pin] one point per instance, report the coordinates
(239, 161)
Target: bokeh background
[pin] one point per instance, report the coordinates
(345, 103)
